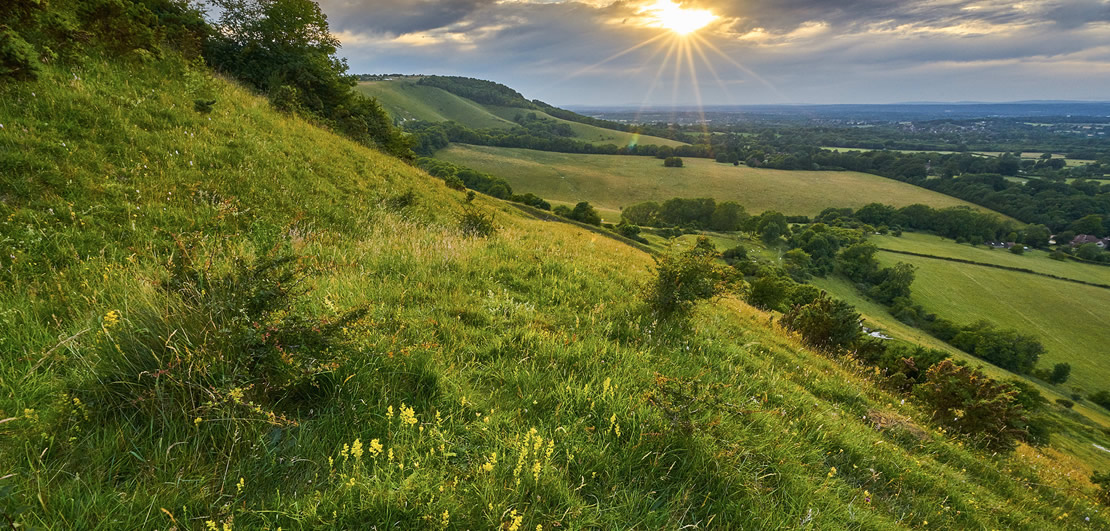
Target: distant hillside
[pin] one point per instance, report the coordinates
(480, 104)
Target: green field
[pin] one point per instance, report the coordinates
(612, 182)
(1071, 320)
(406, 100)
(1033, 259)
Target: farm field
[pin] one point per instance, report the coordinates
(611, 182)
(1033, 259)
(1069, 319)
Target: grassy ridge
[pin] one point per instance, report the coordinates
(409, 101)
(406, 100)
(502, 382)
(611, 182)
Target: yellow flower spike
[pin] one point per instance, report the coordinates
(389, 413)
(356, 449)
(239, 486)
(197, 421)
(375, 447)
(445, 519)
(111, 318)
(832, 471)
(514, 521)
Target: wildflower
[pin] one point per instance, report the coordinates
(211, 525)
(867, 496)
(239, 486)
(111, 318)
(356, 449)
(515, 521)
(236, 394)
(445, 519)
(389, 413)
(490, 462)
(408, 416)
(197, 421)
(832, 471)
(375, 447)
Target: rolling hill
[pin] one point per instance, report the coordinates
(404, 99)
(612, 182)
(215, 315)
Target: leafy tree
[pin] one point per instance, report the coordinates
(672, 162)
(285, 48)
(585, 213)
(967, 401)
(769, 290)
(798, 264)
(772, 226)
(858, 262)
(1091, 224)
(727, 216)
(1060, 373)
(1036, 236)
(642, 213)
(1088, 251)
(892, 283)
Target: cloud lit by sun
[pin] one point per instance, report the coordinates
(670, 15)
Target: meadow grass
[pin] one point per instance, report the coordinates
(612, 182)
(514, 381)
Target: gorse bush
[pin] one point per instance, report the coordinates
(965, 400)
(687, 277)
(230, 344)
(474, 222)
(825, 323)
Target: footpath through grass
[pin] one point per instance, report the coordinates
(160, 369)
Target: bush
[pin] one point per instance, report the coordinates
(967, 401)
(232, 345)
(1068, 404)
(18, 59)
(685, 278)
(1101, 398)
(1060, 373)
(672, 162)
(473, 222)
(825, 323)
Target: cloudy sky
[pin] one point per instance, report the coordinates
(605, 52)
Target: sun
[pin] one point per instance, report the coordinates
(670, 15)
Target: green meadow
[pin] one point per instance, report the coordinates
(238, 319)
(611, 182)
(1069, 319)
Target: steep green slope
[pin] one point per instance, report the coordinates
(508, 381)
(409, 101)
(406, 100)
(612, 182)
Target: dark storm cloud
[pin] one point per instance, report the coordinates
(397, 17)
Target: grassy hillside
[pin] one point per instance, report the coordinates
(611, 182)
(1070, 319)
(406, 100)
(159, 371)
(409, 101)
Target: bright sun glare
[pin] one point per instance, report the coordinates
(672, 16)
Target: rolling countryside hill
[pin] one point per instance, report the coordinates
(404, 99)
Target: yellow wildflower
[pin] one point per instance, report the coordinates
(197, 421)
(832, 471)
(356, 449)
(375, 447)
(445, 519)
(408, 415)
(111, 319)
(239, 486)
(514, 521)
